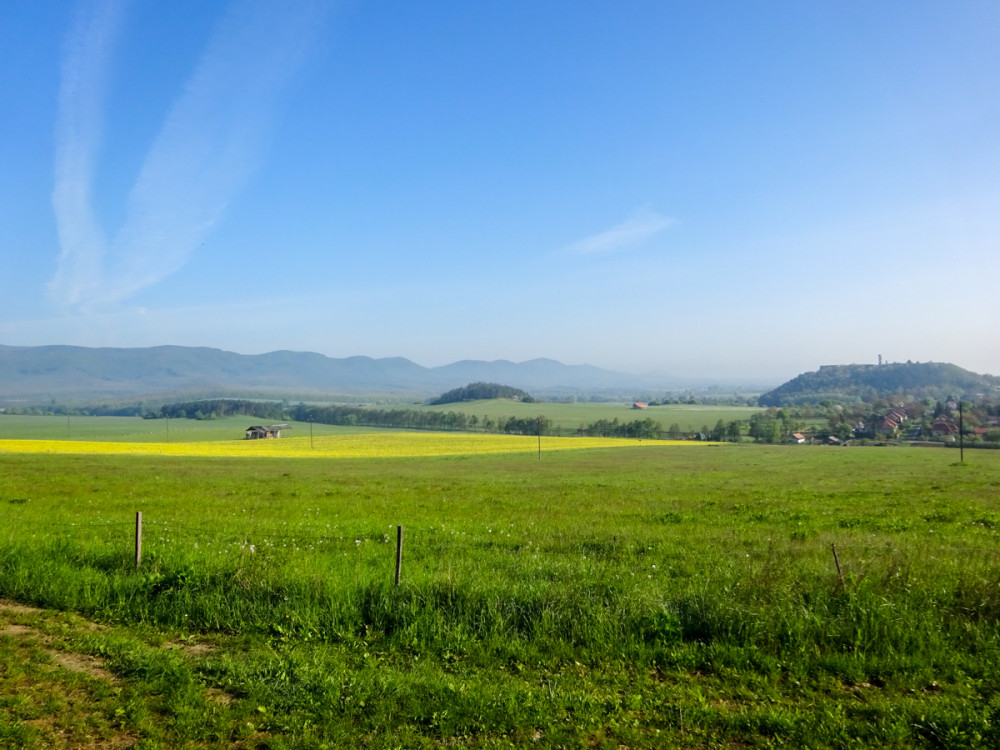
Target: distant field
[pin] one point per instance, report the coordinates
(570, 416)
(136, 429)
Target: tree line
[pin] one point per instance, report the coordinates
(980, 420)
(219, 408)
(639, 428)
(399, 418)
(413, 419)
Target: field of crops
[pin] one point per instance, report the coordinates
(359, 444)
(641, 596)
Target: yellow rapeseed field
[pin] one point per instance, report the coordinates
(363, 445)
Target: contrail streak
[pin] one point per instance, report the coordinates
(78, 134)
(642, 225)
(208, 148)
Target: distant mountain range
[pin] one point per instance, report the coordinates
(845, 383)
(38, 375)
(70, 373)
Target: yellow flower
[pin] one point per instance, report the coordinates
(358, 445)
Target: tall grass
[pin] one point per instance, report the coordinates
(601, 597)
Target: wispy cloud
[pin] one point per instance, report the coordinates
(84, 76)
(636, 229)
(210, 145)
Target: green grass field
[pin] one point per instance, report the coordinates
(570, 416)
(639, 597)
(138, 430)
(135, 429)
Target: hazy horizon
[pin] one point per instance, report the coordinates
(719, 190)
(668, 380)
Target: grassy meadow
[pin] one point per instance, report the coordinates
(138, 430)
(565, 417)
(637, 596)
(690, 417)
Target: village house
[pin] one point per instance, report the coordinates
(891, 421)
(886, 426)
(898, 414)
(944, 426)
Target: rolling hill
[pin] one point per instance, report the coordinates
(851, 383)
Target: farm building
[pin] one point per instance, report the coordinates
(638, 405)
(265, 432)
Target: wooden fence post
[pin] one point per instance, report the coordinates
(399, 552)
(836, 561)
(138, 538)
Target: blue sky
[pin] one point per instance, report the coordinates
(721, 189)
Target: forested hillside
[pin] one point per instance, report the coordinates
(853, 383)
(481, 392)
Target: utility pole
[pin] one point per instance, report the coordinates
(961, 435)
(961, 428)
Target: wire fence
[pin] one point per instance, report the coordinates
(439, 546)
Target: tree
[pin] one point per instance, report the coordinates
(718, 432)
(733, 431)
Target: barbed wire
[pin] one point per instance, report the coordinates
(81, 524)
(441, 538)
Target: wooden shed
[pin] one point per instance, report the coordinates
(265, 432)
